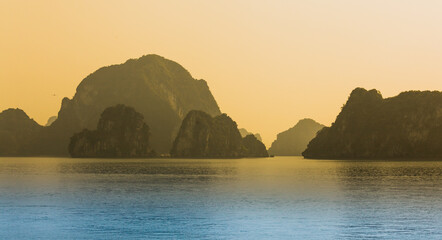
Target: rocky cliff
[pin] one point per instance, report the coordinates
(203, 136)
(17, 131)
(244, 133)
(405, 126)
(121, 132)
(50, 121)
(160, 89)
(293, 141)
(253, 147)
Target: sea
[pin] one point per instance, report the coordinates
(251, 198)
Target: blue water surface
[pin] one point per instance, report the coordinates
(271, 198)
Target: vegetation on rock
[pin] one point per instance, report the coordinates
(405, 126)
(253, 147)
(160, 89)
(203, 136)
(17, 131)
(121, 132)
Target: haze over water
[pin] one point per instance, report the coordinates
(273, 198)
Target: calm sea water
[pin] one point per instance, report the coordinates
(274, 198)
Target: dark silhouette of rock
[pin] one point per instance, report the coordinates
(17, 131)
(160, 89)
(244, 133)
(293, 141)
(405, 126)
(253, 147)
(121, 133)
(203, 136)
(50, 121)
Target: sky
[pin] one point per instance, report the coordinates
(268, 63)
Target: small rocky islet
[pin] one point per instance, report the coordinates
(203, 136)
(121, 133)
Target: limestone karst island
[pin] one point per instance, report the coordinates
(205, 119)
(152, 106)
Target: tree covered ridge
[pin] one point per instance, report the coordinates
(405, 126)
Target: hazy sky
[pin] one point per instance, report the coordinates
(268, 63)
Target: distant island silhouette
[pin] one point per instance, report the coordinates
(293, 141)
(181, 117)
(51, 120)
(244, 133)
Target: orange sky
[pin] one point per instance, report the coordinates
(268, 63)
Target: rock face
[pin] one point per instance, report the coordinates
(203, 136)
(369, 126)
(51, 120)
(160, 89)
(253, 147)
(293, 141)
(17, 131)
(121, 132)
(244, 133)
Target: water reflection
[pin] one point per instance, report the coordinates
(283, 197)
(149, 167)
(391, 199)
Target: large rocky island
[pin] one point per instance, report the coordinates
(293, 141)
(203, 136)
(160, 89)
(121, 132)
(405, 126)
